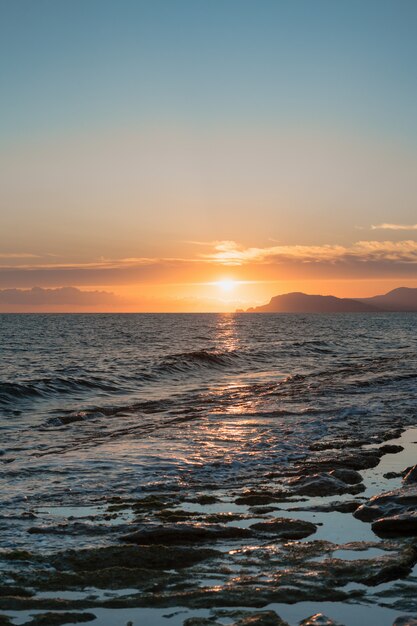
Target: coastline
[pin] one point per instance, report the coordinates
(353, 541)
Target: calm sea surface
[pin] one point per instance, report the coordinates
(94, 406)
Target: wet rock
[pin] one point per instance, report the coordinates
(221, 518)
(75, 528)
(344, 507)
(263, 510)
(389, 504)
(331, 444)
(396, 567)
(148, 557)
(155, 502)
(390, 475)
(411, 476)
(341, 506)
(318, 620)
(205, 499)
(321, 485)
(14, 591)
(344, 459)
(390, 449)
(285, 528)
(260, 498)
(250, 593)
(185, 533)
(349, 476)
(17, 555)
(404, 524)
(173, 516)
(263, 618)
(200, 621)
(5, 621)
(56, 619)
(405, 621)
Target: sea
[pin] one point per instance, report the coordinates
(98, 409)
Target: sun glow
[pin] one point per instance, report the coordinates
(226, 284)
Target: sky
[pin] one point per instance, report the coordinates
(205, 155)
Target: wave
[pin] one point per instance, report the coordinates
(131, 378)
(45, 387)
(185, 361)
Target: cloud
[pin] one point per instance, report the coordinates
(386, 226)
(62, 296)
(231, 253)
(363, 259)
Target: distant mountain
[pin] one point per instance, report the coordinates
(402, 299)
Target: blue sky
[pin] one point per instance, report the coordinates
(68, 65)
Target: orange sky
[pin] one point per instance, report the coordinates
(217, 276)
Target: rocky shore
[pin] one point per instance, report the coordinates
(317, 532)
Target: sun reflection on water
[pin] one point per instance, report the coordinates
(226, 334)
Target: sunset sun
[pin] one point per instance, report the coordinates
(226, 284)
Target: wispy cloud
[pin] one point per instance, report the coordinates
(231, 253)
(62, 296)
(362, 259)
(387, 226)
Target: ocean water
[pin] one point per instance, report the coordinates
(93, 405)
(103, 408)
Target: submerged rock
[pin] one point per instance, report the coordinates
(286, 528)
(405, 621)
(185, 533)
